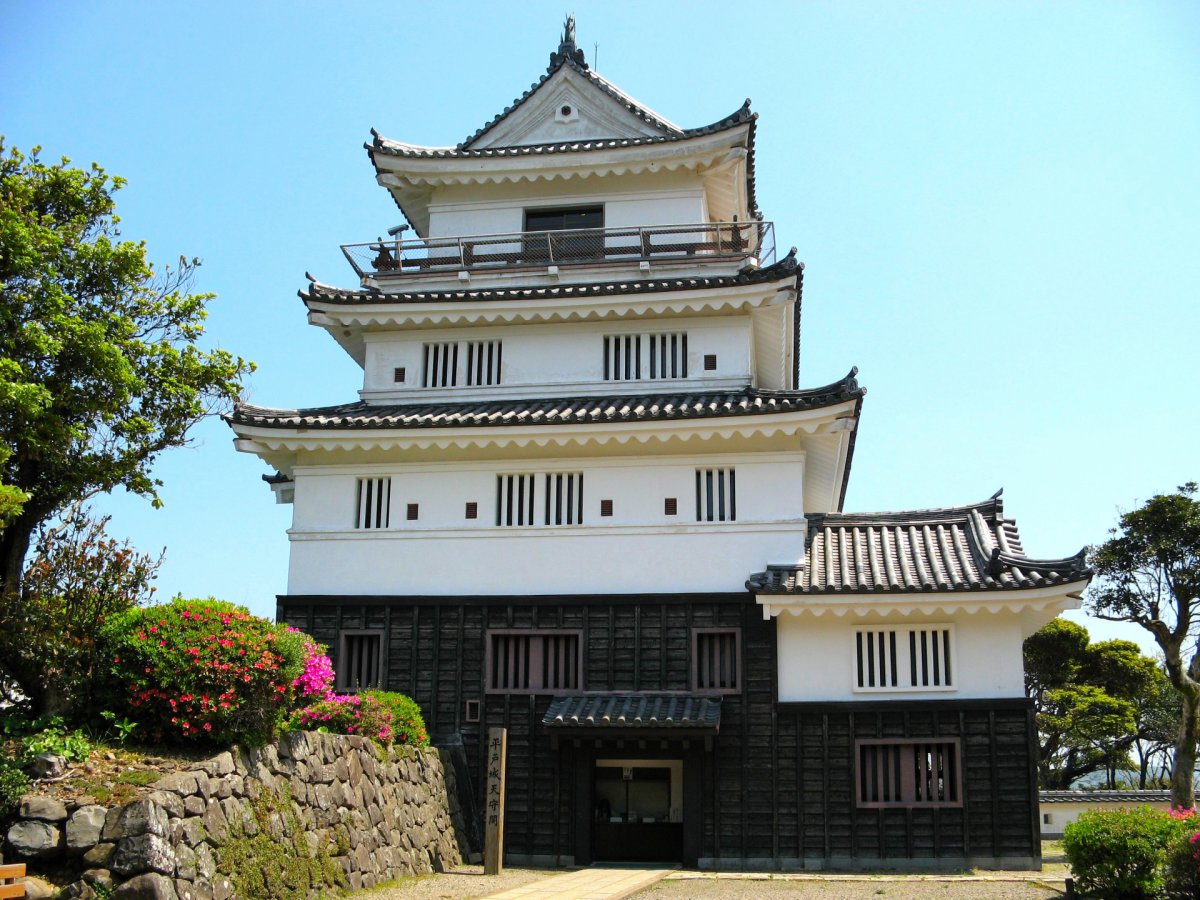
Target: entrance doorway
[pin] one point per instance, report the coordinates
(637, 814)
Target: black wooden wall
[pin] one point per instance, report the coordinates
(779, 780)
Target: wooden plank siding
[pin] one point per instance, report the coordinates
(779, 780)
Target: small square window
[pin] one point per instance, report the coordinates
(398, 375)
(1046, 819)
(606, 507)
(671, 506)
(710, 362)
(471, 711)
(411, 512)
(472, 511)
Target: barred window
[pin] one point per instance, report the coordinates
(451, 363)
(439, 365)
(373, 502)
(483, 362)
(716, 495)
(716, 660)
(907, 773)
(360, 660)
(904, 659)
(560, 503)
(526, 662)
(629, 357)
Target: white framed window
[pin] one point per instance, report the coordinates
(549, 498)
(632, 357)
(716, 495)
(911, 658)
(373, 503)
(451, 363)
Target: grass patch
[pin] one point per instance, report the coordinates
(402, 882)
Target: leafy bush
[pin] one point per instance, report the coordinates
(345, 714)
(13, 785)
(49, 734)
(77, 578)
(1183, 856)
(1120, 854)
(203, 670)
(384, 716)
(408, 725)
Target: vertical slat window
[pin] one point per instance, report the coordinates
(716, 495)
(716, 660)
(473, 363)
(515, 500)
(483, 363)
(532, 662)
(563, 498)
(908, 773)
(373, 502)
(360, 660)
(654, 356)
(903, 659)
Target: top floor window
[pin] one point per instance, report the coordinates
(579, 243)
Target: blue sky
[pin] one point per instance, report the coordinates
(998, 205)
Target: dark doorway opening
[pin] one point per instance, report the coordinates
(637, 813)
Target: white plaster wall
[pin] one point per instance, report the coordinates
(767, 491)
(563, 355)
(1063, 813)
(817, 657)
(627, 202)
(558, 561)
(637, 549)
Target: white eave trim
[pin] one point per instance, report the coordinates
(406, 172)
(1053, 599)
(260, 440)
(546, 307)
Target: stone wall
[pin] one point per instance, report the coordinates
(336, 809)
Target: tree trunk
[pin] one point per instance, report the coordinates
(14, 546)
(1183, 789)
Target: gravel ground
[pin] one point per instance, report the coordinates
(833, 888)
(461, 884)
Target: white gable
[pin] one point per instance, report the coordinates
(567, 107)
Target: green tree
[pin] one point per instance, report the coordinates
(1086, 700)
(1149, 573)
(99, 371)
(1157, 713)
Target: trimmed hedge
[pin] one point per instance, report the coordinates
(1134, 854)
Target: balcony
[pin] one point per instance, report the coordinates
(495, 253)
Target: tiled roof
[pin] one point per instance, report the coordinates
(778, 271)
(1104, 796)
(967, 548)
(634, 710)
(554, 410)
(388, 147)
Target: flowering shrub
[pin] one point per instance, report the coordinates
(345, 714)
(408, 725)
(1183, 855)
(386, 717)
(203, 670)
(1122, 854)
(316, 681)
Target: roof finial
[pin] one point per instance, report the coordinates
(567, 49)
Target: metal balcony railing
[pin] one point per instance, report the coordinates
(570, 247)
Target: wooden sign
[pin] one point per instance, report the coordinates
(493, 804)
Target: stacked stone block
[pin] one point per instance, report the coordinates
(379, 813)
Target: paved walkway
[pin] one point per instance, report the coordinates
(594, 883)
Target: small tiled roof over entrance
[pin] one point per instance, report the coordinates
(966, 548)
(552, 411)
(639, 711)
